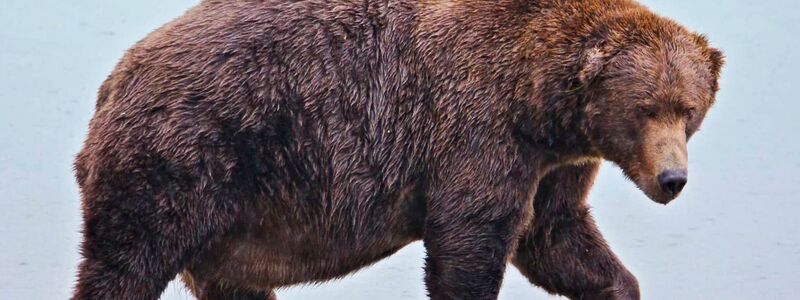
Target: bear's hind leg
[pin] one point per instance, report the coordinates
(143, 221)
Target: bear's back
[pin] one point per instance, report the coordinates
(263, 88)
(258, 67)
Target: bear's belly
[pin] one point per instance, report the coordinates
(276, 247)
(251, 263)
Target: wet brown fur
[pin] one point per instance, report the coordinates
(251, 145)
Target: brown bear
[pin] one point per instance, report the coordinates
(252, 145)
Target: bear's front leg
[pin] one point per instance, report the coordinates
(563, 251)
(473, 222)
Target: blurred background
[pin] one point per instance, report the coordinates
(732, 235)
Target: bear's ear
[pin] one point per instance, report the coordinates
(717, 59)
(592, 63)
(714, 56)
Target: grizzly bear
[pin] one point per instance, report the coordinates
(253, 145)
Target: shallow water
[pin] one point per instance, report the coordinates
(732, 235)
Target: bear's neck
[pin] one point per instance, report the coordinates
(559, 100)
(515, 58)
(557, 129)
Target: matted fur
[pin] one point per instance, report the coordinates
(251, 145)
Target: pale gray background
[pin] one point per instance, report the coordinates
(732, 235)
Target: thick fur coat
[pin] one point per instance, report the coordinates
(250, 145)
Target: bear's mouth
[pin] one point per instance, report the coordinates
(654, 193)
(650, 184)
(659, 165)
(665, 187)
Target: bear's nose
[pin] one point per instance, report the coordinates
(672, 181)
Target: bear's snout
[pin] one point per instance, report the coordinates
(672, 183)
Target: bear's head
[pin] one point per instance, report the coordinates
(647, 96)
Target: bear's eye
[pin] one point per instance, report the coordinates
(648, 111)
(690, 113)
